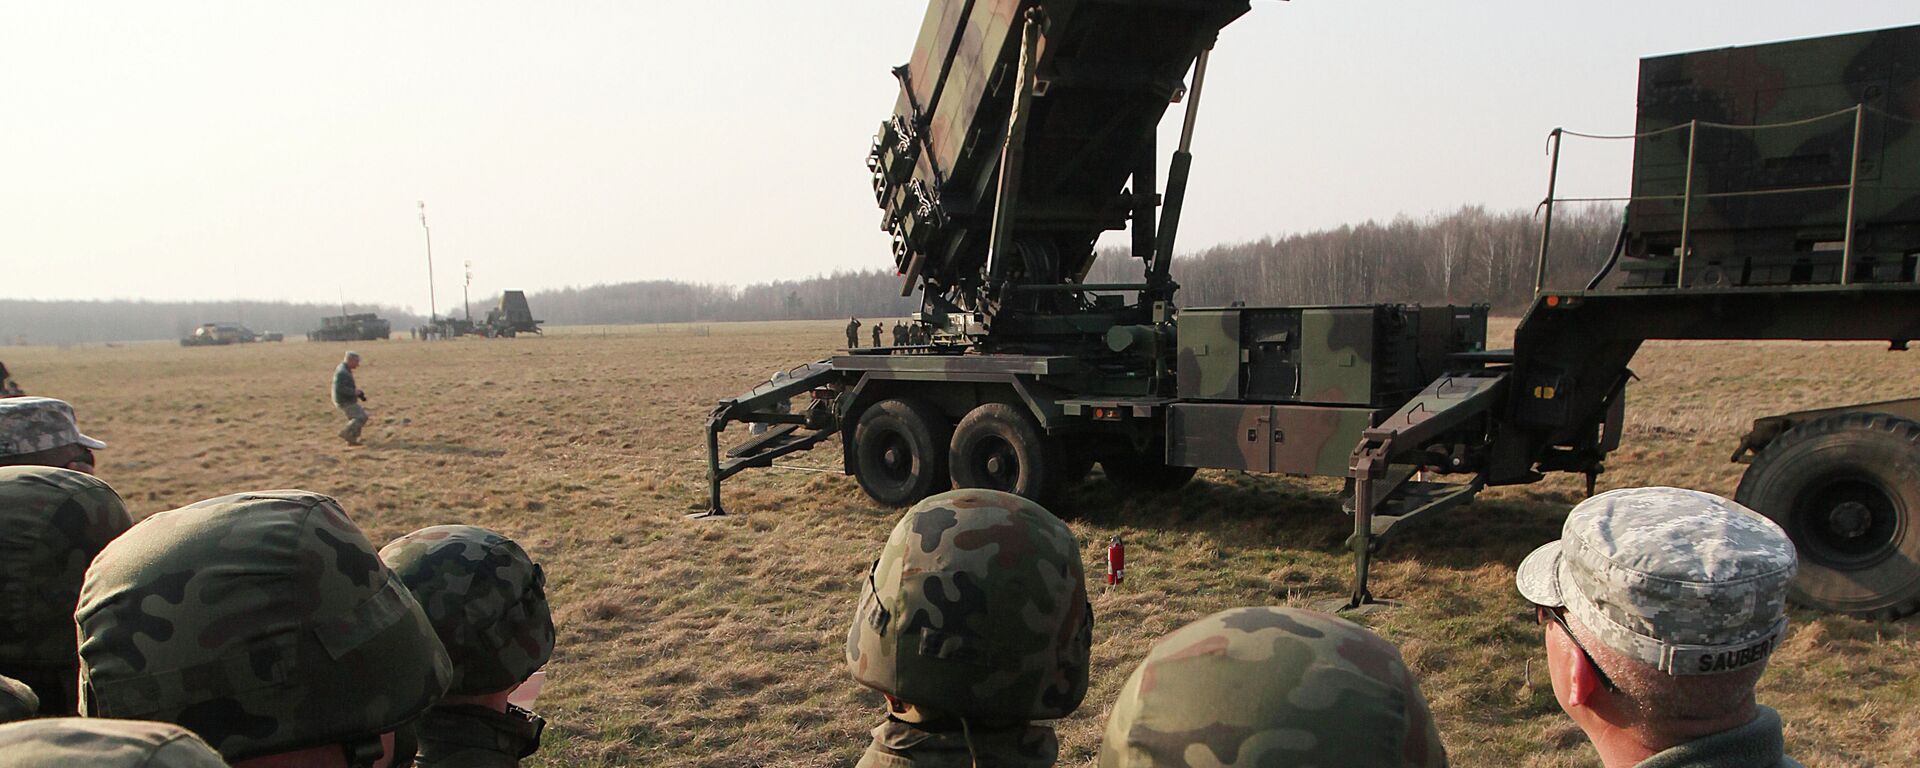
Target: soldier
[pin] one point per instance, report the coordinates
(1306, 689)
(98, 743)
(17, 700)
(876, 332)
(41, 431)
(899, 334)
(52, 523)
(1661, 607)
(347, 397)
(488, 603)
(974, 623)
(265, 623)
(853, 333)
(11, 388)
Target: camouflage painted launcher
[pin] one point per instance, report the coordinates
(1103, 74)
(1791, 143)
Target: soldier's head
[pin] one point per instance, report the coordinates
(1660, 608)
(264, 622)
(41, 431)
(977, 608)
(52, 523)
(17, 700)
(352, 360)
(1307, 689)
(486, 598)
(101, 743)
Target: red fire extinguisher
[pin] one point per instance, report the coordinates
(1116, 561)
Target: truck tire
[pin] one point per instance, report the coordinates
(900, 452)
(1847, 490)
(999, 446)
(1137, 472)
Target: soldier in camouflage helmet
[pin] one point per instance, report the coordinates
(102, 743)
(1271, 687)
(17, 701)
(487, 601)
(974, 622)
(264, 622)
(42, 431)
(52, 523)
(1661, 607)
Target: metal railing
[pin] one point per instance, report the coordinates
(1687, 196)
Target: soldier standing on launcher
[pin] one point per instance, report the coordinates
(974, 623)
(348, 397)
(876, 333)
(853, 333)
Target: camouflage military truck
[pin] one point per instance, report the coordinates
(1025, 129)
(364, 326)
(218, 335)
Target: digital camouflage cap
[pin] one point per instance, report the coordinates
(1686, 582)
(35, 424)
(265, 622)
(101, 743)
(1271, 687)
(17, 700)
(977, 607)
(52, 522)
(486, 598)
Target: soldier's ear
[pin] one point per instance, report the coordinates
(1583, 679)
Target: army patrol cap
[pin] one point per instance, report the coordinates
(486, 598)
(1271, 686)
(100, 743)
(977, 607)
(52, 522)
(264, 622)
(17, 701)
(1686, 582)
(35, 424)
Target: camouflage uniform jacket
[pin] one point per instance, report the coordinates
(344, 390)
(1757, 744)
(471, 736)
(900, 744)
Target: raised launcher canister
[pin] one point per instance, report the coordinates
(1774, 131)
(1103, 75)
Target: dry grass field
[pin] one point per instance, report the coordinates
(718, 643)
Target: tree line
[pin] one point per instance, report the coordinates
(1472, 255)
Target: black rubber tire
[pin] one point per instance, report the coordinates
(1847, 490)
(1001, 447)
(1136, 472)
(900, 452)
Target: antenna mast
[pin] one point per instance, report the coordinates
(433, 311)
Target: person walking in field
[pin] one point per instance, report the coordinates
(347, 397)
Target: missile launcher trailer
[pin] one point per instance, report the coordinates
(511, 317)
(364, 326)
(1026, 129)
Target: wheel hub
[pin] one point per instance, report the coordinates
(893, 458)
(993, 465)
(1849, 520)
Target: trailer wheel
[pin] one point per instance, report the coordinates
(1144, 473)
(999, 446)
(900, 452)
(1847, 490)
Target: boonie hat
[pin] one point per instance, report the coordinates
(1684, 581)
(103, 743)
(34, 424)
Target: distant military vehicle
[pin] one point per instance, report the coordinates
(218, 334)
(1026, 128)
(272, 336)
(511, 317)
(364, 326)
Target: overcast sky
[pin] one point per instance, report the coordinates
(275, 150)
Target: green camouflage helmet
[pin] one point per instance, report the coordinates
(487, 601)
(1271, 687)
(17, 701)
(977, 607)
(101, 743)
(52, 523)
(265, 622)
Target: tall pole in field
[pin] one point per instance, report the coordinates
(464, 301)
(433, 303)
